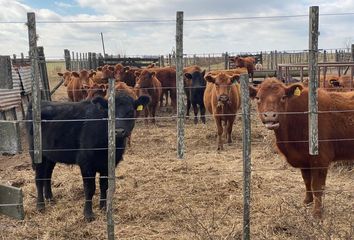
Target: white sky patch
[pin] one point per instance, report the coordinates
(146, 38)
(64, 5)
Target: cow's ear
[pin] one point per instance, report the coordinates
(203, 73)
(152, 74)
(75, 74)
(100, 102)
(235, 79)
(99, 69)
(126, 68)
(141, 102)
(188, 75)
(209, 78)
(60, 74)
(253, 91)
(294, 90)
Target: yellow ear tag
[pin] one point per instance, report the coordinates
(297, 92)
(140, 108)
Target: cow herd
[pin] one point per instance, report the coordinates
(281, 109)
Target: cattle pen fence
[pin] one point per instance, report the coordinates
(270, 61)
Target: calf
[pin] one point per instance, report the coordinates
(274, 99)
(81, 142)
(222, 99)
(194, 86)
(67, 76)
(148, 85)
(75, 88)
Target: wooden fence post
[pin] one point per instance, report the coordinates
(226, 61)
(313, 65)
(94, 61)
(22, 58)
(44, 74)
(179, 84)
(90, 65)
(73, 67)
(67, 59)
(111, 158)
(246, 153)
(36, 93)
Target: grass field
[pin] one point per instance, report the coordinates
(200, 197)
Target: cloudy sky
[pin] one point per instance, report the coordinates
(135, 27)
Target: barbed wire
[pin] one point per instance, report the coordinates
(174, 20)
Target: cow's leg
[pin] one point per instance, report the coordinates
(188, 107)
(166, 96)
(195, 110)
(103, 190)
(173, 96)
(146, 113)
(161, 97)
(220, 131)
(318, 182)
(40, 176)
(88, 176)
(49, 167)
(306, 175)
(153, 112)
(202, 112)
(229, 129)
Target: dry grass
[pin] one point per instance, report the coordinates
(200, 197)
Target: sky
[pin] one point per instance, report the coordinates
(134, 27)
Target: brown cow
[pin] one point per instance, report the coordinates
(125, 74)
(222, 99)
(67, 76)
(167, 77)
(75, 88)
(291, 130)
(247, 62)
(147, 84)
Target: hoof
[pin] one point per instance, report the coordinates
(103, 205)
(308, 201)
(195, 121)
(40, 207)
(89, 217)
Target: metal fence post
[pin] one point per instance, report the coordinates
(111, 158)
(180, 88)
(313, 65)
(246, 153)
(36, 93)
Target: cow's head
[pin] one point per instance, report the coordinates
(194, 79)
(144, 82)
(125, 111)
(272, 96)
(66, 76)
(96, 89)
(222, 85)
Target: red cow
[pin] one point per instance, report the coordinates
(247, 62)
(147, 84)
(75, 88)
(67, 76)
(125, 74)
(167, 77)
(291, 130)
(222, 99)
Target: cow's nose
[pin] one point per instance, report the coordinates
(270, 116)
(223, 98)
(120, 132)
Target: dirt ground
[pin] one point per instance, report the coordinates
(160, 197)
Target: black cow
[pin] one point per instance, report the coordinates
(194, 88)
(83, 142)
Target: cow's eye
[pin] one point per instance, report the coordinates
(283, 98)
(258, 100)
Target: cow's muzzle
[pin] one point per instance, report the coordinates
(120, 132)
(270, 120)
(223, 98)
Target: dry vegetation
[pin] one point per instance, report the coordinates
(200, 197)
